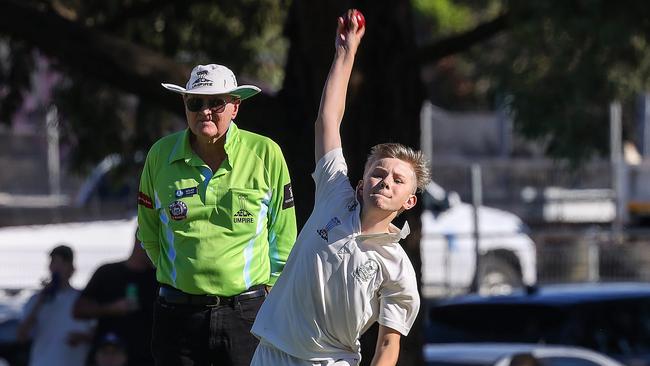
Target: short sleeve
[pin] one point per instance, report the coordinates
(148, 223)
(399, 298)
(331, 176)
(29, 305)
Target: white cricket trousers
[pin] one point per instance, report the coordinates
(267, 355)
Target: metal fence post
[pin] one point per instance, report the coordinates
(426, 130)
(616, 159)
(593, 254)
(53, 161)
(477, 198)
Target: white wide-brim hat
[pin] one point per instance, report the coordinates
(211, 80)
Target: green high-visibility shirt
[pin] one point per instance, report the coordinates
(221, 232)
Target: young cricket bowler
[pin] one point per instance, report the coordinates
(346, 270)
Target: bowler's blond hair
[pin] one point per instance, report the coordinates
(419, 163)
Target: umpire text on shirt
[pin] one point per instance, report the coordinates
(216, 217)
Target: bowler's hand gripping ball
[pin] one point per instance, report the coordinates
(361, 20)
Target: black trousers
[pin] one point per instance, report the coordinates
(197, 335)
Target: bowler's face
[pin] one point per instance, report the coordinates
(389, 185)
(209, 116)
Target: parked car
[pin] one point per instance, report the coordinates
(610, 318)
(512, 354)
(113, 182)
(507, 255)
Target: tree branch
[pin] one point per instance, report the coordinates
(138, 10)
(142, 10)
(461, 42)
(112, 60)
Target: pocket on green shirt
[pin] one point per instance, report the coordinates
(245, 205)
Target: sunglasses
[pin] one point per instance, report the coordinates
(198, 104)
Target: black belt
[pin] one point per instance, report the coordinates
(173, 296)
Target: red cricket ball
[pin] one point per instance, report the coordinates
(361, 20)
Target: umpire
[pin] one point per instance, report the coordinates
(216, 217)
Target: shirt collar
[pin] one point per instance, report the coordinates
(183, 148)
(393, 236)
(232, 138)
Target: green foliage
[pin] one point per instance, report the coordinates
(560, 64)
(436, 18)
(458, 81)
(245, 35)
(97, 118)
(563, 63)
(98, 121)
(447, 14)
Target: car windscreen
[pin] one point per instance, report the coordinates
(495, 323)
(618, 327)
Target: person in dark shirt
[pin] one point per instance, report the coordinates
(120, 296)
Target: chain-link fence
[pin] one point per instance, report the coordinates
(593, 255)
(539, 191)
(505, 262)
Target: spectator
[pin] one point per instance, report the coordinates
(120, 296)
(58, 339)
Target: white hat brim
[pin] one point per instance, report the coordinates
(242, 92)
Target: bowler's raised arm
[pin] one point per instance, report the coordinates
(332, 103)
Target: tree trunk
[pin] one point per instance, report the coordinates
(93, 53)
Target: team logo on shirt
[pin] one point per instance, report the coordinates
(243, 215)
(288, 196)
(352, 205)
(186, 192)
(366, 271)
(330, 225)
(144, 200)
(344, 251)
(178, 210)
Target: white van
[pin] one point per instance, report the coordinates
(507, 255)
(24, 250)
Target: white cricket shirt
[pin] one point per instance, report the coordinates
(336, 282)
(53, 324)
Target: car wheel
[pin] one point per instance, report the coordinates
(497, 276)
